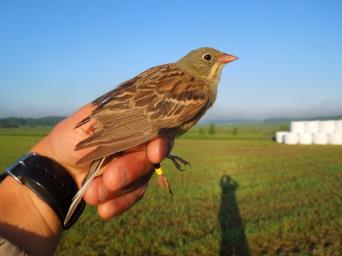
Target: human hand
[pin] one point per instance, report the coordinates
(120, 172)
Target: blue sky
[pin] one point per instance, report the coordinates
(56, 56)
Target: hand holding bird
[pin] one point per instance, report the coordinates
(131, 167)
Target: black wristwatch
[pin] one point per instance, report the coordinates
(50, 181)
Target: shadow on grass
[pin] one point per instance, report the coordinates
(233, 238)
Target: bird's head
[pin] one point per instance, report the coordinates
(206, 63)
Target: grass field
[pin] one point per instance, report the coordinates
(242, 196)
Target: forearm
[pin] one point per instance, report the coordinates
(26, 220)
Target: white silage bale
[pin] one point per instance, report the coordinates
(312, 126)
(291, 138)
(338, 126)
(320, 138)
(305, 138)
(326, 126)
(335, 138)
(298, 126)
(280, 136)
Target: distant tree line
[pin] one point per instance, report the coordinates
(14, 122)
(288, 120)
(211, 130)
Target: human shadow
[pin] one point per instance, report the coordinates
(21, 238)
(233, 237)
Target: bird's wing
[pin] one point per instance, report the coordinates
(174, 97)
(159, 99)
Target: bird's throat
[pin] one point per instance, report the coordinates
(215, 72)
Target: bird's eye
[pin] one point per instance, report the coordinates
(207, 57)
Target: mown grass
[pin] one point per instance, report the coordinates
(25, 131)
(255, 131)
(241, 197)
(16, 141)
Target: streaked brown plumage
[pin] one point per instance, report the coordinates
(165, 100)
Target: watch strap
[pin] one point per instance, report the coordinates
(50, 181)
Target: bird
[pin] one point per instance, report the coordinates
(165, 100)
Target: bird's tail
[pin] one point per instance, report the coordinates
(94, 169)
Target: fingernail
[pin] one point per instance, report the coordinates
(103, 193)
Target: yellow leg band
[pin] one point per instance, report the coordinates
(159, 171)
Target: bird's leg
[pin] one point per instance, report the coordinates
(162, 180)
(178, 162)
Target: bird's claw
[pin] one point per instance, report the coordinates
(178, 162)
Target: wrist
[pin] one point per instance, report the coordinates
(26, 220)
(43, 148)
(50, 182)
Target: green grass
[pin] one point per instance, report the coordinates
(257, 131)
(16, 141)
(241, 197)
(25, 131)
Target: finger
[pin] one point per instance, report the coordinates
(158, 149)
(120, 204)
(122, 171)
(97, 193)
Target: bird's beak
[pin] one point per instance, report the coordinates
(226, 58)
